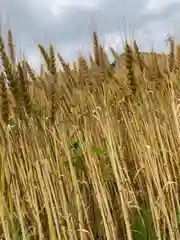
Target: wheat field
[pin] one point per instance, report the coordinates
(90, 151)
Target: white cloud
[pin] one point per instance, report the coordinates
(56, 5)
(35, 60)
(159, 5)
(68, 24)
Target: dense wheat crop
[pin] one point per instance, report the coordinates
(89, 151)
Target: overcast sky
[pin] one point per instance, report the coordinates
(68, 24)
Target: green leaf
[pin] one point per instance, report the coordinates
(99, 151)
(75, 145)
(143, 228)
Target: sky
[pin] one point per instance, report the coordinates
(68, 25)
